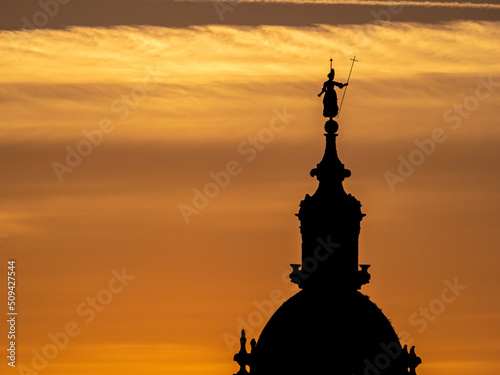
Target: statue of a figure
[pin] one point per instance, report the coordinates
(330, 105)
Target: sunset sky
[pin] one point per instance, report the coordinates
(116, 116)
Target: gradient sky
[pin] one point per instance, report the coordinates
(180, 93)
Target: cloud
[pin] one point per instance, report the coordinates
(94, 13)
(445, 4)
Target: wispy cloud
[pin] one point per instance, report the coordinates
(186, 13)
(445, 4)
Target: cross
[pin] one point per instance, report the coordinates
(353, 61)
(348, 78)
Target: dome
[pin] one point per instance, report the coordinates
(328, 332)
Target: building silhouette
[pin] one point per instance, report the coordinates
(328, 327)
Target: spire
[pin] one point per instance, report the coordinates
(330, 225)
(330, 218)
(330, 172)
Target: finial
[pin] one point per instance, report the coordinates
(331, 62)
(331, 126)
(413, 361)
(243, 358)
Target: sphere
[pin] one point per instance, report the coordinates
(331, 126)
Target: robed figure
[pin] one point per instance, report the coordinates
(330, 105)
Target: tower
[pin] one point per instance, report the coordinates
(328, 327)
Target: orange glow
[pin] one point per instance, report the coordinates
(178, 105)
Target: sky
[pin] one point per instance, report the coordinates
(153, 155)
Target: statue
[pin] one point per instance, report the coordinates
(330, 104)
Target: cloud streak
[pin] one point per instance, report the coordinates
(95, 13)
(400, 3)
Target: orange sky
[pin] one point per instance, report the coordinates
(179, 104)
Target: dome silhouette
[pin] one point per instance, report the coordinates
(328, 332)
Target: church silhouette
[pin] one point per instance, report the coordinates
(328, 327)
